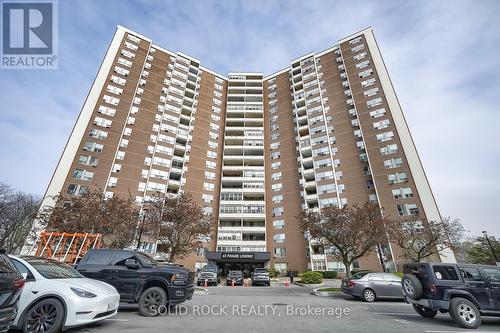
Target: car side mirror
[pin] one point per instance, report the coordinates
(132, 263)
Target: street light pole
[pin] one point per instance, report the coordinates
(491, 246)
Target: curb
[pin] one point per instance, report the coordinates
(308, 285)
(325, 293)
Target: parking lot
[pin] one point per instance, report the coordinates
(293, 309)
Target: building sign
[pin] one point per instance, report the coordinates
(236, 255)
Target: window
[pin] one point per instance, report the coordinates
(275, 136)
(82, 174)
(92, 146)
(398, 177)
(362, 64)
(100, 257)
(402, 193)
(493, 274)
(98, 134)
(275, 145)
(207, 198)
(106, 110)
(88, 160)
(122, 256)
(407, 209)
(359, 56)
(211, 154)
(208, 186)
(442, 272)
(371, 92)
(324, 189)
(386, 136)
(275, 165)
(381, 124)
(358, 48)
(389, 149)
(281, 266)
(365, 73)
(279, 238)
(393, 163)
(374, 102)
(114, 90)
(112, 181)
(278, 211)
(275, 155)
(369, 82)
(279, 224)
(276, 187)
(377, 113)
(212, 144)
(279, 252)
(470, 273)
(277, 198)
(209, 175)
(102, 122)
(276, 176)
(117, 167)
(121, 71)
(120, 155)
(210, 165)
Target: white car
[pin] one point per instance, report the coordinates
(56, 297)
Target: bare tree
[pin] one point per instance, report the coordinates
(353, 230)
(420, 239)
(17, 211)
(178, 223)
(115, 218)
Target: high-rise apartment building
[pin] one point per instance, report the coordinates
(254, 150)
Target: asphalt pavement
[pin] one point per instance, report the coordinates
(281, 309)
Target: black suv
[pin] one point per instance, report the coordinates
(11, 283)
(139, 278)
(467, 292)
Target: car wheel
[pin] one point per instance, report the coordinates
(412, 287)
(151, 299)
(46, 316)
(268, 284)
(465, 313)
(425, 312)
(368, 295)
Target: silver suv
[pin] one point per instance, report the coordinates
(260, 276)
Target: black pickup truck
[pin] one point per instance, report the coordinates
(467, 292)
(11, 283)
(139, 278)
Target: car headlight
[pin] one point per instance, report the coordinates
(178, 278)
(83, 293)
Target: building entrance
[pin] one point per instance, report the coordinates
(238, 261)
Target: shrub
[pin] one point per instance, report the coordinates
(311, 277)
(273, 273)
(329, 275)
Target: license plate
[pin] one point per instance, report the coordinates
(111, 306)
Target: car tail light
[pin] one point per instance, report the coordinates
(351, 283)
(18, 284)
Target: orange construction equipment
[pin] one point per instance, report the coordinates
(232, 283)
(206, 284)
(286, 283)
(246, 282)
(62, 246)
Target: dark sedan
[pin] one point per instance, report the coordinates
(236, 276)
(374, 286)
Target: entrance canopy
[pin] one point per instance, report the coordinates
(222, 257)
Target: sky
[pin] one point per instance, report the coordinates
(443, 58)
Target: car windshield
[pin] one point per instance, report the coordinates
(235, 273)
(257, 270)
(52, 269)
(146, 259)
(209, 269)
